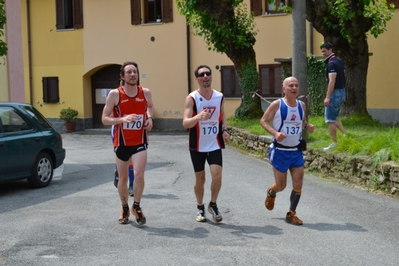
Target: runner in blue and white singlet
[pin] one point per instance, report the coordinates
(284, 119)
(292, 125)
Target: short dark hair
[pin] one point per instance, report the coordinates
(326, 45)
(199, 67)
(122, 71)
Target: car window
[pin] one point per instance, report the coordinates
(12, 121)
(37, 116)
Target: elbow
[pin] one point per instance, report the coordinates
(185, 125)
(105, 121)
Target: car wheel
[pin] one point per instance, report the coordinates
(42, 171)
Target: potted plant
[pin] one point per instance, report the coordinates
(69, 115)
(159, 19)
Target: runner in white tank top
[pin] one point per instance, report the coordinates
(205, 119)
(284, 121)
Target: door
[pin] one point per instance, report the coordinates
(3, 155)
(22, 143)
(102, 82)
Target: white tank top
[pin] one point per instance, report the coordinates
(206, 135)
(291, 125)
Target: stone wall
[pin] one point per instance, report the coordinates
(359, 171)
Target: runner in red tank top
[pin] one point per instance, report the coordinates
(130, 109)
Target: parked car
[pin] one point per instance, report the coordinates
(30, 148)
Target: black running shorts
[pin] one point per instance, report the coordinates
(124, 153)
(198, 159)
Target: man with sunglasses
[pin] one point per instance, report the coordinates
(205, 119)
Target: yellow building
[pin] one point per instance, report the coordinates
(67, 53)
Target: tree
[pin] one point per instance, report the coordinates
(346, 25)
(228, 28)
(3, 20)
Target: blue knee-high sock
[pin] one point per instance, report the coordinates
(131, 176)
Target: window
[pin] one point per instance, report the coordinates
(12, 121)
(152, 10)
(257, 7)
(230, 86)
(50, 90)
(395, 2)
(270, 80)
(275, 7)
(35, 114)
(69, 14)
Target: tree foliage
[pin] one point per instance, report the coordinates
(346, 24)
(3, 20)
(227, 27)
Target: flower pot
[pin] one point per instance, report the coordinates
(70, 126)
(159, 20)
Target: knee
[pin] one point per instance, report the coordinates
(280, 187)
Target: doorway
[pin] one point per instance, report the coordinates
(102, 82)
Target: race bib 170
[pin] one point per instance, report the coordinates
(134, 125)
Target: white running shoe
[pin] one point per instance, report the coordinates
(215, 213)
(201, 215)
(330, 147)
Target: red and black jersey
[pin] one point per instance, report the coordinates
(133, 133)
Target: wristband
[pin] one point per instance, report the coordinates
(150, 117)
(225, 130)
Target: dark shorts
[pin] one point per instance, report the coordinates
(124, 153)
(198, 159)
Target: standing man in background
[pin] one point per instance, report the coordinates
(335, 95)
(205, 118)
(130, 109)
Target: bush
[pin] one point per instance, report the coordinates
(69, 114)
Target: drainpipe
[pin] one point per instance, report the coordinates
(311, 37)
(188, 57)
(29, 52)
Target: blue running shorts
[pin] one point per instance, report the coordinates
(282, 160)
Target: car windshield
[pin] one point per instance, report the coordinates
(37, 115)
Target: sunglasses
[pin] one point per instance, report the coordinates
(208, 73)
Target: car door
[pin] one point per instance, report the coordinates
(3, 152)
(23, 143)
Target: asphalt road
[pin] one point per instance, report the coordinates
(74, 221)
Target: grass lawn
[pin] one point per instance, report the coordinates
(364, 136)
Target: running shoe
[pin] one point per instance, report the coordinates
(140, 218)
(215, 213)
(330, 147)
(116, 178)
(124, 218)
(201, 215)
(131, 190)
(269, 202)
(291, 218)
